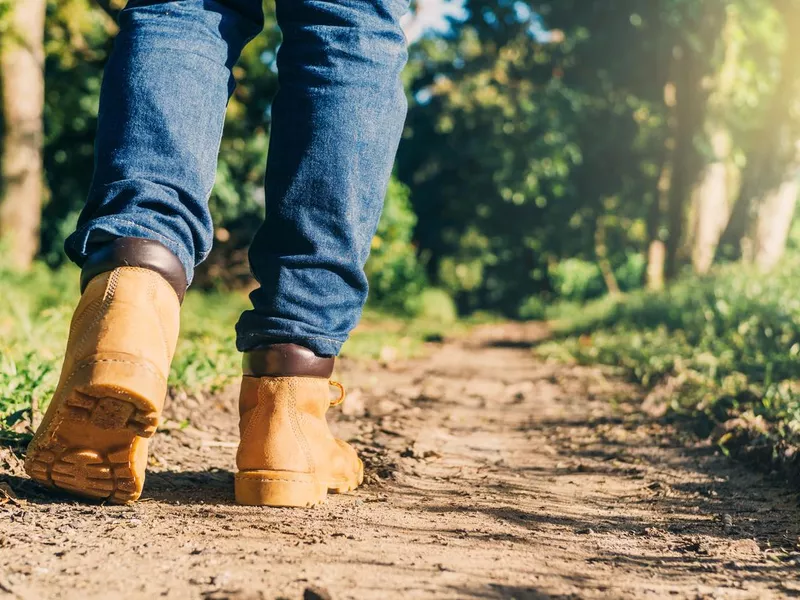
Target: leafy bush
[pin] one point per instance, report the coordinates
(575, 279)
(630, 274)
(730, 342)
(437, 306)
(396, 277)
(533, 308)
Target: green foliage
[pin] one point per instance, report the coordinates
(534, 126)
(521, 147)
(488, 146)
(206, 359)
(388, 337)
(5, 14)
(731, 342)
(437, 306)
(395, 275)
(533, 309)
(79, 38)
(630, 274)
(575, 279)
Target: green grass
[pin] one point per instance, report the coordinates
(729, 345)
(35, 309)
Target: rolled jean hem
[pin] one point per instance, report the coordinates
(77, 244)
(321, 346)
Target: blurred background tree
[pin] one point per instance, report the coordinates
(553, 149)
(22, 94)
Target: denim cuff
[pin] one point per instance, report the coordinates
(321, 346)
(77, 245)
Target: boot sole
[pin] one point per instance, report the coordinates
(288, 488)
(88, 449)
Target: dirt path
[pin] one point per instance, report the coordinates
(490, 475)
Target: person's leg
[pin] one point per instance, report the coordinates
(144, 228)
(337, 121)
(162, 108)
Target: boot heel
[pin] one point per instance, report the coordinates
(91, 443)
(278, 488)
(121, 376)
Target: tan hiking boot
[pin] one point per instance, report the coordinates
(93, 439)
(287, 454)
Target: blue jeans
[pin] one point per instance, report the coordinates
(337, 121)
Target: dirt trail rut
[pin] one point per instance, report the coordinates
(490, 475)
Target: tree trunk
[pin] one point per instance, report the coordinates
(656, 249)
(774, 222)
(710, 202)
(692, 69)
(714, 190)
(778, 199)
(684, 159)
(772, 160)
(21, 176)
(656, 257)
(732, 240)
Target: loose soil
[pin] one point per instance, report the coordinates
(490, 474)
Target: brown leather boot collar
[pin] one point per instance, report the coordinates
(286, 360)
(136, 252)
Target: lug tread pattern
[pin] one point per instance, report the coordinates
(106, 474)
